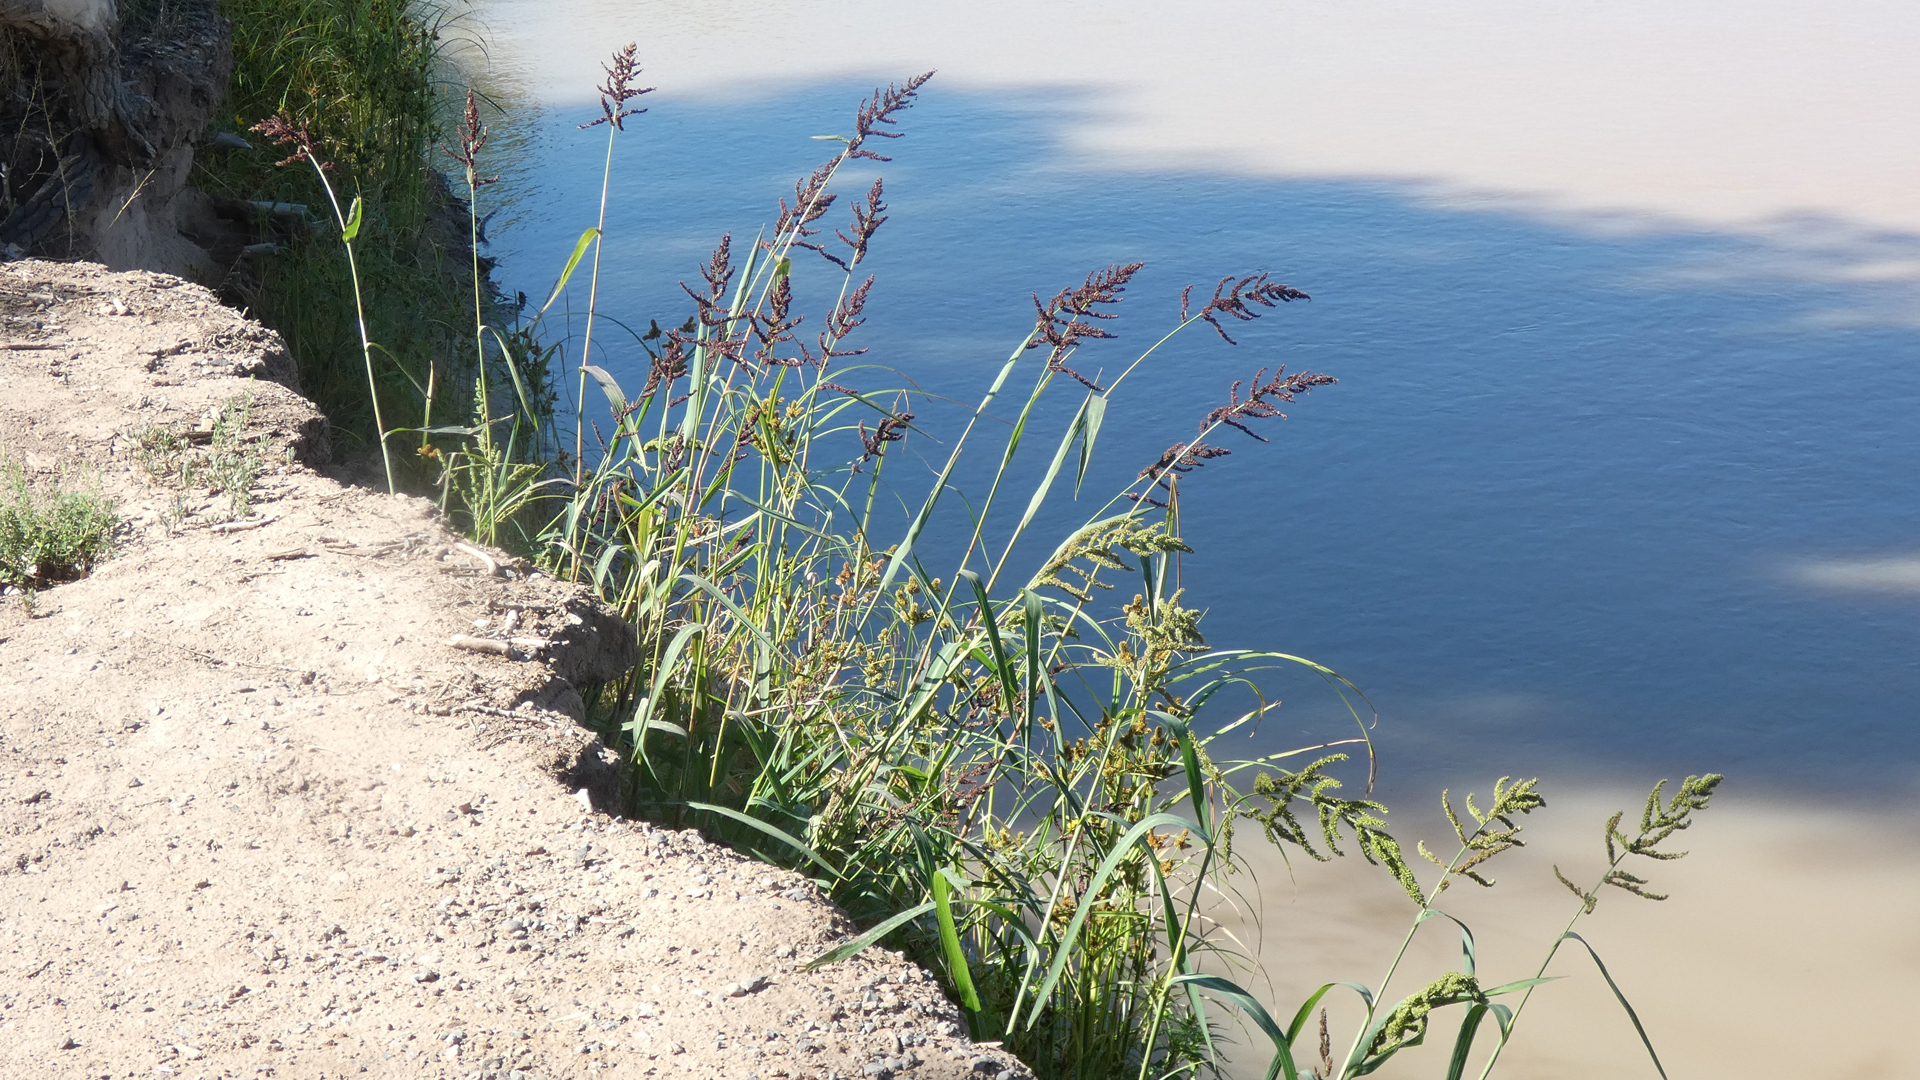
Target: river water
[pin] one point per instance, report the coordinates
(1620, 479)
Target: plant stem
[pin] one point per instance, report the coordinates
(360, 319)
(1506, 1032)
(593, 298)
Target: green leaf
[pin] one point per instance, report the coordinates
(950, 943)
(744, 621)
(835, 955)
(352, 228)
(573, 261)
(608, 386)
(1001, 665)
(1076, 433)
(1305, 1010)
(755, 823)
(668, 666)
(1468, 954)
(519, 385)
(1196, 783)
(667, 726)
(1282, 1052)
(1622, 999)
(1521, 984)
(1030, 618)
(1096, 412)
(1463, 1042)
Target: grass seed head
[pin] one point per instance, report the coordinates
(618, 89)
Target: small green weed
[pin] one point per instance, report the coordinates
(228, 467)
(50, 537)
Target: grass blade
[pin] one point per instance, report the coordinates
(573, 263)
(835, 955)
(1622, 999)
(1002, 666)
(1076, 433)
(1190, 758)
(1463, 1042)
(778, 834)
(608, 386)
(1096, 411)
(1283, 1063)
(950, 943)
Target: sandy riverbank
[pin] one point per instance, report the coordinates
(259, 817)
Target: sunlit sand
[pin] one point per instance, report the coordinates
(1786, 946)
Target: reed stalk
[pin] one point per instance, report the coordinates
(286, 133)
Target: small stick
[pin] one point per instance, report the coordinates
(368, 552)
(493, 568)
(483, 645)
(239, 526)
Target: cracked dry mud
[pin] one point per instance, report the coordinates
(258, 818)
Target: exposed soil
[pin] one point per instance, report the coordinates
(101, 110)
(258, 817)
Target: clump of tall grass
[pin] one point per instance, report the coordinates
(995, 762)
(973, 743)
(493, 482)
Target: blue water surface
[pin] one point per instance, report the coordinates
(1550, 519)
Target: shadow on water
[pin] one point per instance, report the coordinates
(1601, 499)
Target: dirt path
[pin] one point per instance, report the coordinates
(257, 817)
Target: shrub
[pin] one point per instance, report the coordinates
(49, 537)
